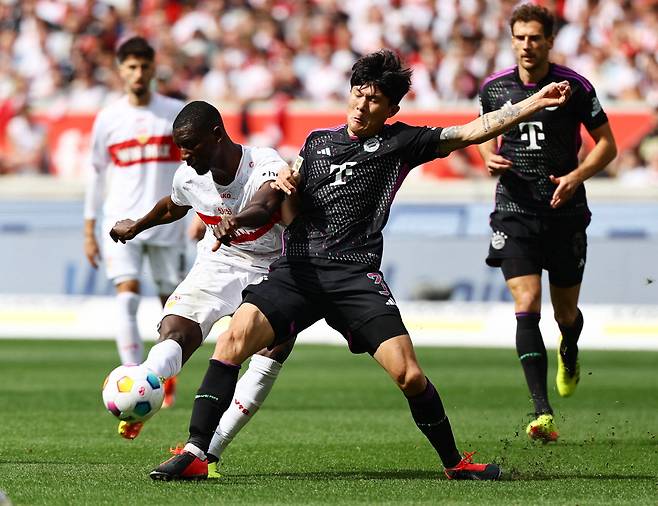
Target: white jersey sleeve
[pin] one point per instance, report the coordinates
(97, 171)
(178, 194)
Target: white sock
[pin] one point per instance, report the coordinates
(165, 359)
(250, 393)
(129, 342)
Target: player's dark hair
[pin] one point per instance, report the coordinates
(384, 70)
(137, 47)
(197, 116)
(530, 12)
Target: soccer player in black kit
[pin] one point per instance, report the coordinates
(541, 212)
(343, 182)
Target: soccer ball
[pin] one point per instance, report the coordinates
(133, 393)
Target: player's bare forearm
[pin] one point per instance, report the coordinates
(262, 206)
(290, 208)
(164, 211)
(90, 227)
(604, 152)
(494, 123)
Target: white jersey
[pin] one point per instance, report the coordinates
(252, 248)
(133, 149)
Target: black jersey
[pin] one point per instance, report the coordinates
(545, 144)
(347, 187)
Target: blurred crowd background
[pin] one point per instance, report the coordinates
(57, 56)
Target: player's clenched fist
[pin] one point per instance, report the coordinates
(123, 231)
(555, 94)
(224, 231)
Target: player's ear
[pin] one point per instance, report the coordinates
(393, 110)
(218, 132)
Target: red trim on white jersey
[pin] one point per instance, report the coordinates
(153, 149)
(247, 236)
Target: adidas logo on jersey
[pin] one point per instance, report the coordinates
(390, 302)
(324, 151)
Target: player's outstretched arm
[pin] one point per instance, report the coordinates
(164, 211)
(497, 122)
(258, 212)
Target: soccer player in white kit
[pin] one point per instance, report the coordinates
(134, 155)
(228, 186)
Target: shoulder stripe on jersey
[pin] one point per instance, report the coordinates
(330, 129)
(563, 71)
(496, 75)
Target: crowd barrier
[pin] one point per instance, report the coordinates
(68, 136)
(609, 327)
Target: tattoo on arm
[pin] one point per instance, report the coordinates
(450, 133)
(507, 112)
(486, 124)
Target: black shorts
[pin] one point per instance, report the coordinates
(533, 243)
(352, 298)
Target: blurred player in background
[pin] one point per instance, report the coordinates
(541, 211)
(134, 153)
(344, 182)
(228, 186)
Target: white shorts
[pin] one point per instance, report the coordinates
(210, 291)
(123, 262)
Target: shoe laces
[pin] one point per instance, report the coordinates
(177, 450)
(467, 459)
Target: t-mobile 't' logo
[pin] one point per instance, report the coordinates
(533, 134)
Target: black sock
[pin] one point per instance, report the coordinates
(532, 354)
(430, 417)
(212, 399)
(569, 347)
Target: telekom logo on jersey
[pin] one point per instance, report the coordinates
(152, 149)
(534, 133)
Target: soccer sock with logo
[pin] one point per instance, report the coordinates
(532, 354)
(129, 342)
(165, 359)
(569, 346)
(211, 401)
(250, 393)
(430, 417)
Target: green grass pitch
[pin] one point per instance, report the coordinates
(334, 431)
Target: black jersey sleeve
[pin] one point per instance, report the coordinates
(419, 144)
(484, 100)
(590, 112)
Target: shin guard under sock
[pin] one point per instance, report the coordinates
(532, 354)
(430, 417)
(569, 346)
(212, 399)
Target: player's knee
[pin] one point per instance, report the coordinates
(410, 380)
(280, 352)
(528, 300)
(565, 316)
(232, 346)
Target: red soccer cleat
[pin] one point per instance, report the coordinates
(170, 392)
(467, 470)
(182, 466)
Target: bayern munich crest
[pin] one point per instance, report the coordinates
(498, 240)
(371, 145)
